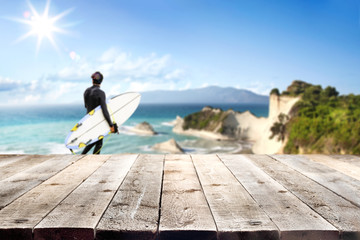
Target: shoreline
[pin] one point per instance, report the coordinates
(247, 127)
(29, 136)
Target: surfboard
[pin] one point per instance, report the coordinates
(93, 126)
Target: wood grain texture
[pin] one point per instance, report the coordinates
(354, 160)
(335, 209)
(339, 183)
(294, 219)
(347, 168)
(236, 214)
(134, 211)
(24, 213)
(18, 184)
(19, 164)
(180, 197)
(6, 159)
(185, 213)
(77, 216)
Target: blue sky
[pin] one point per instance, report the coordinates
(142, 45)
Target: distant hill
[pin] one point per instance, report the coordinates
(207, 95)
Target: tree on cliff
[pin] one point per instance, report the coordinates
(296, 88)
(323, 122)
(279, 128)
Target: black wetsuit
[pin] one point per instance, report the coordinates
(93, 97)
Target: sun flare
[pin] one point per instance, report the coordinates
(42, 26)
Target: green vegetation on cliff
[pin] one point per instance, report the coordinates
(208, 119)
(322, 121)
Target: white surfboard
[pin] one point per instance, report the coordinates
(93, 126)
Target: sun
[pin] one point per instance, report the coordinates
(42, 26)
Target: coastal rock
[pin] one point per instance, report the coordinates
(144, 128)
(171, 123)
(178, 123)
(248, 127)
(230, 125)
(170, 146)
(205, 124)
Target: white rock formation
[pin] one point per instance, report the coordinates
(170, 146)
(247, 126)
(262, 143)
(194, 132)
(143, 128)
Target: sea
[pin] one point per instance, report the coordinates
(42, 129)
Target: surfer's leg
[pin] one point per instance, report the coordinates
(98, 147)
(87, 148)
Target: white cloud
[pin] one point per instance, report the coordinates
(109, 55)
(32, 98)
(7, 84)
(115, 64)
(204, 85)
(122, 72)
(176, 74)
(81, 70)
(140, 68)
(34, 85)
(115, 90)
(62, 89)
(150, 86)
(41, 91)
(186, 87)
(128, 79)
(260, 87)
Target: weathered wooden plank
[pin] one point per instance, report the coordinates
(18, 184)
(9, 158)
(345, 167)
(236, 214)
(294, 219)
(77, 216)
(20, 217)
(335, 209)
(21, 164)
(185, 213)
(341, 184)
(134, 211)
(354, 160)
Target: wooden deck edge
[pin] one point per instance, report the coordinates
(113, 234)
(348, 235)
(187, 234)
(310, 234)
(16, 233)
(64, 233)
(253, 235)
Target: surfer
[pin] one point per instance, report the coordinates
(93, 97)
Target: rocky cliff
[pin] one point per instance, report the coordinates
(231, 125)
(143, 128)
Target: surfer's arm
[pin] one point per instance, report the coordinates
(85, 93)
(105, 110)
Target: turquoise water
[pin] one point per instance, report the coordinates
(42, 129)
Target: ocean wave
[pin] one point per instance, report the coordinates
(57, 148)
(168, 124)
(203, 146)
(126, 130)
(36, 148)
(4, 150)
(146, 148)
